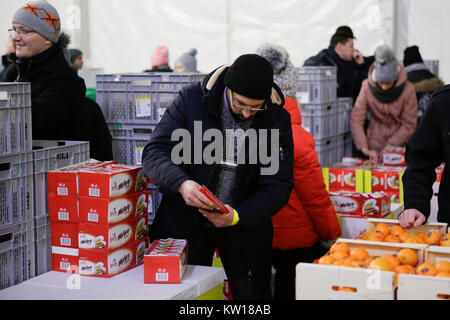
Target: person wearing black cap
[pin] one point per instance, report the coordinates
(423, 79)
(237, 102)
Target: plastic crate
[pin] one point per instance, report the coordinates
(345, 106)
(140, 98)
(15, 117)
(43, 245)
(154, 201)
(16, 188)
(17, 254)
(330, 150)
(348, 144)
(321, 120)
(433, 66)
(317, 84)
(52, 155)
(128, 142)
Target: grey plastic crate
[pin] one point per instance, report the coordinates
(52, 155)
(140, 98)
(321, 120)
(433, 66)
(43, 245)
(17, 254)
(329, 150)
(128, 142)
(154, 201)
(348, 144)
(15, 117)
(345, 106)
(317, 84)
(16, 188)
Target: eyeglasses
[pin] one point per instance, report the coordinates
(262, 108)
(20, 32)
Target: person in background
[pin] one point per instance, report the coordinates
(229, 102)
(391, 100)
(309, 216)
(160, 60)
(187, 62)
(423, 79)
(10, 48)
(76, 59)
(427, 149)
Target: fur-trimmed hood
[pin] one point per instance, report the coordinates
(429, 85)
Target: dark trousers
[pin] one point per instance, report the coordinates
(284, 263)
(246, 282)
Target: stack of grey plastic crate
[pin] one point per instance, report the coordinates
(133, 104)
(324, 115)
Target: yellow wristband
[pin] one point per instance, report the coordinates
(235, 219)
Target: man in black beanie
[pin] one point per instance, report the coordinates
(242, 105)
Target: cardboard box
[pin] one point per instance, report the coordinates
(112, 181)
(394, 156)
(361, 204)
(339, 178)
(64, 181)
(387, 179)
(108, 263)
(166, 261)
(65, 259)
(105, 237)
(62, 209)
(107, 211)
(64, 234)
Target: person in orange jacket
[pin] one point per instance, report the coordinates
(309, 217)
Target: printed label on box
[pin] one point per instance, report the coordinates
(62, 209)
(143, 108)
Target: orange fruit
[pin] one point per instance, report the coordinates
(339, 254)
(380, 264)
(375, 236)
(383, 228)
(393, 260)
(396, 230)
(347, 289)
(412, 239)
(327, 260)
(445, 241)
(421, 235)
(368, 261)
(359, 264)
(443, 275)
(433, 238)
(405, 235)
(407, 256)
(443, 266)
(338, 263)
(342, 246)
(363, 236)
(406, 268)
(392, 239)
(426, 269)
(360, 254)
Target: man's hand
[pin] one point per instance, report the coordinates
(10, 47)
(411, 218)
(373, 155)
(358, 57)
(193, 197)
(220, 220)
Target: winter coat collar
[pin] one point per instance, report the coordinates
(428, 85)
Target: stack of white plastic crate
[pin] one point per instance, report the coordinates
(133, 104)
(323, 114)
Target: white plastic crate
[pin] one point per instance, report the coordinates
(317, 84)
(43, 245)
(15, 117)
(52, 155)
(321, 120)
(140, 98)
(433, 66)
(17, 254)
(348, 144)
(329, 150)
(128, 142)
(345, 106)
(16, 188)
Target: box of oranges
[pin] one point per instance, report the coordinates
(355, 269)
(431, 280)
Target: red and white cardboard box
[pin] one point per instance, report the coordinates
(64, 234)
(112, 181)
(64, 181)
(165, 261)
(108, 263)
(98, 236)
(374, 205)
(107, 211)
(65, 259)
(386, 179)
(394, 156)
(62, 209)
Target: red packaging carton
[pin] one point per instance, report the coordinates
(65, 259)
(107, 211)
(62, 209)
(165, 261)
(64, 234)
(97, 236)
(112, 181)
(394, 156)
(375, 205)
(387, 179)
(339, 177)
(108, 263)
(64, 181)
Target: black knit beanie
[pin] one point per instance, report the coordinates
(250, 76)
(412, 56)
